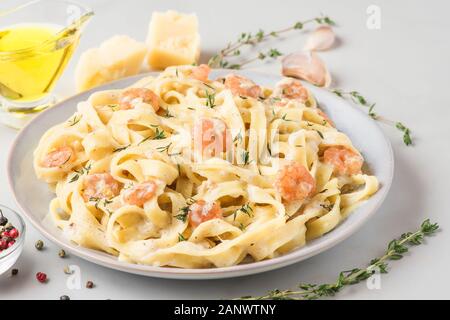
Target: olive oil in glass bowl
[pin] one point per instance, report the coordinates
(37, 40)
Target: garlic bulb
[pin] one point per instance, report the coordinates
(320, 39)
(306, 66)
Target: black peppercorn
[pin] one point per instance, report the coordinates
(3, 219)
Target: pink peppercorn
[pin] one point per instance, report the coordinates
(41, 277)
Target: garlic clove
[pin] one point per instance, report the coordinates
(306, 65)
(320, 39)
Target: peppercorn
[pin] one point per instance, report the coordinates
(64, 297)
(89, 284)
(3, 219)
(3, 244)
(13, 233)
(14, 272)
(67, 270)
(61, 253)
(39, 245)
(41, 277)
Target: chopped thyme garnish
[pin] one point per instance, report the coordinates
(210, 99)
(245, 156)
(246, 209)
(121, 148)
(113, 106)
(320, 134)
(164, 148)
(82, 171)
(99, 200)
(167, 114)
(75, 120)
(238, 138)
(209, 86)
(159, 134)
(284, 118)
(327, 207)
(184, 212)
(181, 238)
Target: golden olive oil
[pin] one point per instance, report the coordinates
(32, 58)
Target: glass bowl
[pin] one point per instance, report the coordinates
(9, 256)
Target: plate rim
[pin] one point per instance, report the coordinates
(289, 258)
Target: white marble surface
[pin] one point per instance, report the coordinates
(403, 67)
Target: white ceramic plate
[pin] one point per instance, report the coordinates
(33, 196)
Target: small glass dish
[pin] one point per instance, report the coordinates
(9, 256)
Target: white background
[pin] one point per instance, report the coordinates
(404, 67)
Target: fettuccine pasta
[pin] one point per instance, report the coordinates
(183, 171)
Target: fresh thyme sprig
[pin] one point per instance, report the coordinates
(357, 98)
(395, 251)
(233, 49)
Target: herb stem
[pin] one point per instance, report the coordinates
(248, 38)
(395, 250)
(357, 98)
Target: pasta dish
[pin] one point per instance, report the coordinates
(179, 170)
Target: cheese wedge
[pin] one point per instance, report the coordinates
(173, 39)
(117, 57)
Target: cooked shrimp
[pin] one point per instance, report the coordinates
(325, 117)
(291, 89)
(58, 157)
(100, 185)
(242, 86)
(202, 211)
(140, 193)
(131, 96)
(210, 136)
(344, 160)
(294, 182)
(201, 72)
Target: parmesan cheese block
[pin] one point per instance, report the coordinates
(117, 57)
(173, 39)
